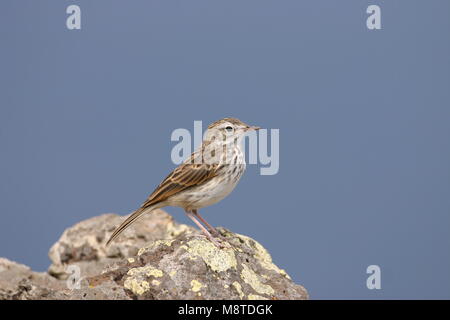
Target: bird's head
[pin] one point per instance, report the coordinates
(228, 129)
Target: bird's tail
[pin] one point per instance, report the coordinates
(128, 221)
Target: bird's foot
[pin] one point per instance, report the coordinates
(221, 243)
(218, 241)
(217, 234)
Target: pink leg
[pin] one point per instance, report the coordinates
(203, 229)
(210, 227)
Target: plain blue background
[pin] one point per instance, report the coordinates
(364, 119)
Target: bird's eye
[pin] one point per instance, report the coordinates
(229, 129)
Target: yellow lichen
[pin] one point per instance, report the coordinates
(217, 259)
(135, 281)
(250, 277)
(196, 285)
(155, 272)
(130, 260)
(238, 288)
(156, 282)
(137, 287)
(147, 270)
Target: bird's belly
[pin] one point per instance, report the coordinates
(205, 195)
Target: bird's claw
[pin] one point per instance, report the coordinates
(219, 242)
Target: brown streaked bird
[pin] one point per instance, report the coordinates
(205, 178)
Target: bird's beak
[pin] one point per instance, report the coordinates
(252, 128)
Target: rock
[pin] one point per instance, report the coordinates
(18, 282)
(84, 243)
(191, 267)
(156, 258)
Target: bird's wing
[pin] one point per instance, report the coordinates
(192, 172)
(185, 176)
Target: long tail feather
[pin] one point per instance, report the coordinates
(128, 221)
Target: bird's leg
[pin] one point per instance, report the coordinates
(210, 227)
(204, 230)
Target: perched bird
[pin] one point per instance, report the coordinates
(205, 178)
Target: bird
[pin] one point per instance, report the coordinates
(206, 177)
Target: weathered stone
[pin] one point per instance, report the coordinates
(18, 282)
(84, 243)
(155, 259)
(191, 267)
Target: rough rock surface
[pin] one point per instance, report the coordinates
(155, 259)
(84, 243)
(18, 282)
